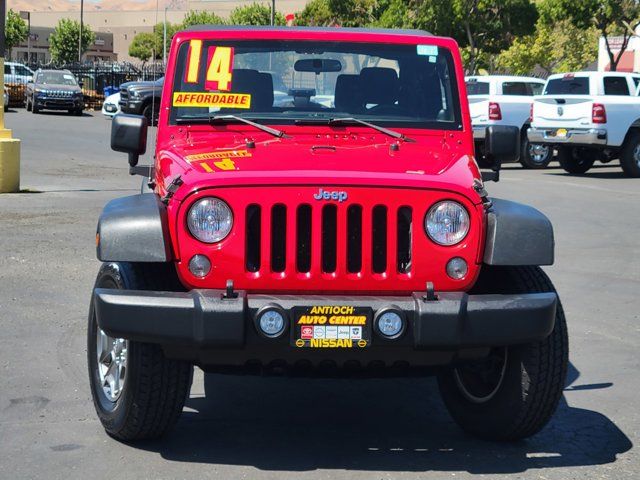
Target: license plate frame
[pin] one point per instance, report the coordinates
(331, 326)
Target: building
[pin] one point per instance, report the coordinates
(630, 59)
(36, 48)
(124, 25)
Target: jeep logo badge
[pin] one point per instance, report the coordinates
(560, 111)
(339, 196)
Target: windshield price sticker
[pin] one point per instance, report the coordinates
(212, 100)
(341, 326)
(219, 66)
(427, 50)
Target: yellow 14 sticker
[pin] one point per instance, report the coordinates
(219, 66)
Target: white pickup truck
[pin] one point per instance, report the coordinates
(589, 116)
(505, 100)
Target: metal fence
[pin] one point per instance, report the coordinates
(98, 79)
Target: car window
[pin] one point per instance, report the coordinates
(477, 88)
(536, 88)
(298, 80)
(7, 69)
(57, 78)
(616, 86)
(567, 85)
(516, 88)
(636, 81)
(20, 70)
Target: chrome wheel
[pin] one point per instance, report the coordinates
(479, 382)
(112, 364)
(636, 155)
(538, 153)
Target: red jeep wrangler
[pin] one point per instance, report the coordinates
(315, 208)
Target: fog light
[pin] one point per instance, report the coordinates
(389, 323)
(199, 266)
(271, 322)
(457, 268)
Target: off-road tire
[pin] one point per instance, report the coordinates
(574, 160)
(156, 387)
(151, 112)
(630, 155)
(525, 157)
(534, 375)
(28, 105)
(34, 109)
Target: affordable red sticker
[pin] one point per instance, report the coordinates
(214, 100)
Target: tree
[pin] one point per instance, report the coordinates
(201, 18)
(16, 30)
(609, 17)
(254, 14)
(143, 46)
(316, 13)
(63, 42)
(158, 32)
(483, 27)
(557, 47)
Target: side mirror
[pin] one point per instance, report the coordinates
(129, 135)
(30, 81)
(501, 144)
(81, 84)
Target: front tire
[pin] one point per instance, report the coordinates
(534, 156)
(152, 112)
(138, 393)
(514, 392)
(575, 160)
(630, 155)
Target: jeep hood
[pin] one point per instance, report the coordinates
(435, 160)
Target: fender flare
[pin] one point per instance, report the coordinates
(517, 234)
(133, 229)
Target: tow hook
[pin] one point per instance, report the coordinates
(431, 294)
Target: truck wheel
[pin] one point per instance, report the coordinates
(534, 155)
(575, 160)
(512, 393)
(138, 393)
(28, 105)
(630, 155)
(152, 112)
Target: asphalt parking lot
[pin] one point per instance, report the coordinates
(280, 428)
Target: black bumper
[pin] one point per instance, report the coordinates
(206, 327)
(59, 103)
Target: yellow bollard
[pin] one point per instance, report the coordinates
(9, 151)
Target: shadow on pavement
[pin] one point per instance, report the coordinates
(385, 425)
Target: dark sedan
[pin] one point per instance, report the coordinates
(54, 90)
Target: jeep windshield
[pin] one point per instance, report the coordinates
(294, 82)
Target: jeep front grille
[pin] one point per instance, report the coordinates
(282, 238)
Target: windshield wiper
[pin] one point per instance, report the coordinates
(386, 131)
(227, 118)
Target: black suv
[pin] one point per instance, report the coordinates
(142, 98)
(54, 90)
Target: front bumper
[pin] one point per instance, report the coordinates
(131, 105)
(207, 328)
(574, 136)
(49, 103)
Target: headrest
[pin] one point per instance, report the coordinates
(348, 96)
(379, 85)
(257, 84)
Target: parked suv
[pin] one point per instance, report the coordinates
(589, 116)
(506, 100)
(355, 239)
(142, 98)
(54, 90)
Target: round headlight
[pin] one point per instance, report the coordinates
(210, 220)
(447, 223)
